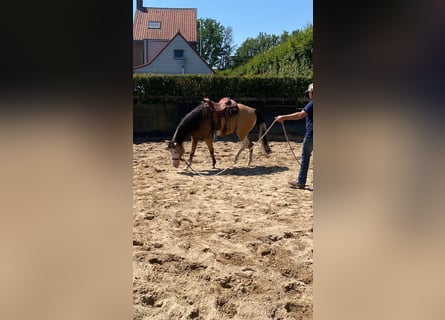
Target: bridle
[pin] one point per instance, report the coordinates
(174, 152)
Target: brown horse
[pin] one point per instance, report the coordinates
(222, 118)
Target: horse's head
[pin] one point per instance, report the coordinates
(177, 151)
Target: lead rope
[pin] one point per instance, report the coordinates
(288, 142)
(253, 145)
(189, 165)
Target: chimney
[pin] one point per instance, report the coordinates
(139, 4)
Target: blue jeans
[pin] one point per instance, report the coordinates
(306, 152)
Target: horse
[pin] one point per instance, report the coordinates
(222, 118)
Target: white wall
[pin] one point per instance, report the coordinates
(166, 64)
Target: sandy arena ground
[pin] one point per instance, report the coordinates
(233, 246)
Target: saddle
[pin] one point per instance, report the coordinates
(223, 109)
(222, 104)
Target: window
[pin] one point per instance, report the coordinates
(154, 24)
(178, 54)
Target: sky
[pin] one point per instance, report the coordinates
(247, 17)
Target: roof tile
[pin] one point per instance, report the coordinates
(172, 20)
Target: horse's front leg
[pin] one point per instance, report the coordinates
(192, 152)
(209, 142)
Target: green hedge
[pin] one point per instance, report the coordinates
(189, 88)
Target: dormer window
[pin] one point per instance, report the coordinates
(154, 24)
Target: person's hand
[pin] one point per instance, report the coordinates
(279, 119)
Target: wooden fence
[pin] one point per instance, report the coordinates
(159, 121)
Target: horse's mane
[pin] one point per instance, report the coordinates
(188, 124)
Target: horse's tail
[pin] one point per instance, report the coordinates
(261, 125)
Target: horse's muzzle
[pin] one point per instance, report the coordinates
(175, 163)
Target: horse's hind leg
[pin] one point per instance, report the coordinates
(250, 146)
(209, 143)
(245, 143)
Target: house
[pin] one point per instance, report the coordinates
(164, 41)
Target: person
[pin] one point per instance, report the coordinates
(307, 148)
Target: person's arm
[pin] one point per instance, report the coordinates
(292, 116)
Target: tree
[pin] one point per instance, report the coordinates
(214, 43)
(291, 57)
(227, 49)
(252, 47)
